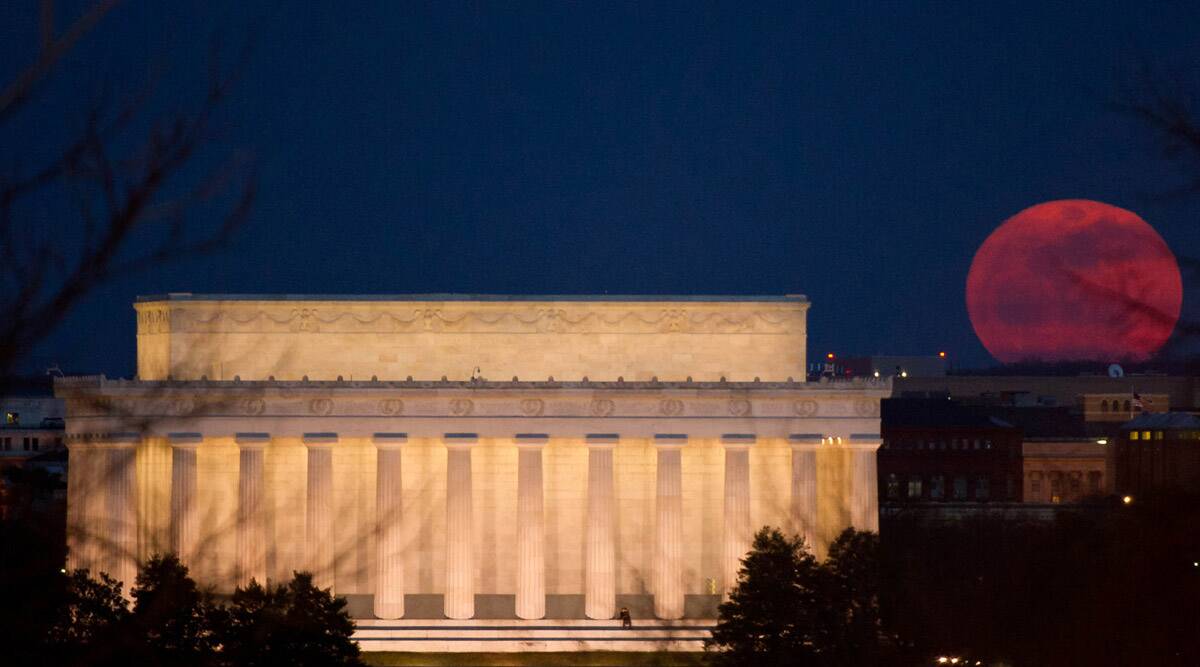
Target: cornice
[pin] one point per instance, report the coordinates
(534, 400)
(510, 317)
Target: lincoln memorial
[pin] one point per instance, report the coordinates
(468, 457)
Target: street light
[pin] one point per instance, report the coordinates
(1127, 499)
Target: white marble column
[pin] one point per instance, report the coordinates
(318, 517)
(531, 528)
(804, 486)
(737, 534)
(389, 526)
(251, 522)
(185, 524)
(600, 571)
(121, 507)
(459, 600)
(864, 480)
(668, 560)
(79, 492)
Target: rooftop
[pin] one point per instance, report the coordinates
(646, 298)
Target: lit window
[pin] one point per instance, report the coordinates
(1145, 435)
(893, 486)
(1158, 435)
(1133, 435)
(914, 487)
(12, 418)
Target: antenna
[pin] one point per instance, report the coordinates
(1115, 371)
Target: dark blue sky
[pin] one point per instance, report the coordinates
(855, 152)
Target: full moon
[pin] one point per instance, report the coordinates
(1074, 279)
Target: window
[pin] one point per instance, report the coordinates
(893, 486)
(914, 487)
(1145, 435)
(937, 487)
(1158, 435)
(1133, 435)
(25, 444)
(1035, 482)
(1103, 406)
(1076, 483)
(8, 444)
(960, 488)
(1094, 479)
(1056, 487)
(1128, 406)
(12, 418)
(1010, 488)
(982, 489)
(35, 444)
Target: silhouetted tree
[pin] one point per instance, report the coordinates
(777, 614)
(296, 623)
(176, 620)
(853, 568)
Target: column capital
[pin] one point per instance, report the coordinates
(460, 440)
(805, 441)
(389, 440)
(864, 441)
(323, 439)
(531, 440)
(602, 440)
(185, 440)
(670, 440)
(738, 440)
(252, 440)
(124, 440)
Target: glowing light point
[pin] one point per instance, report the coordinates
(1127, 499)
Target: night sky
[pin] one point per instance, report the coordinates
(858, 153)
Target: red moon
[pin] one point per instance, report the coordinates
(1074, 279)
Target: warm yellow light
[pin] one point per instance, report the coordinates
(942, 355)
(1127, 499)
(903, 374)
(876, 373)
(1102, 441)
(829, 356)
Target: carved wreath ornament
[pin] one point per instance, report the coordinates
(253, 406)
(391, 406)
(532, 407)
(805, 408)
(461, 407)
(739, 407)
(670, 406)
(602, 407)
(320, 406)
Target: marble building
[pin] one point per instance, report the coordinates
(466, 457)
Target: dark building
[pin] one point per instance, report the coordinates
(1158, 454)
(938, 451)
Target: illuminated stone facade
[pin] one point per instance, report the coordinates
(672, 429)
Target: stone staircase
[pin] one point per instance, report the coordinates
(511, 636)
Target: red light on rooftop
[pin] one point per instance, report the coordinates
(829, 356)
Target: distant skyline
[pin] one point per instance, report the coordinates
(855, 153)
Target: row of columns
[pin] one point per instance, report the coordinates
(600, 575)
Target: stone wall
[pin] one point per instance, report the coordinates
(738, 339)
